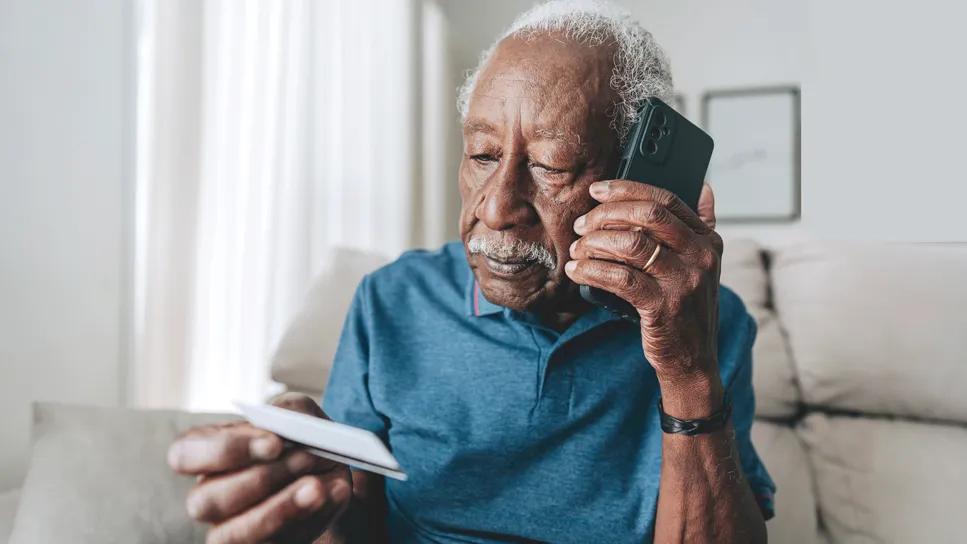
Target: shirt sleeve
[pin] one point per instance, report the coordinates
(347, 397)
(743, 413)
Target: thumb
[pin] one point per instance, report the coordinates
(706, 206)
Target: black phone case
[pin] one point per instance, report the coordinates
(666, 150)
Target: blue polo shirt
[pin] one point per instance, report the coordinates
(508, 430)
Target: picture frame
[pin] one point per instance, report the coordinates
(756, 166)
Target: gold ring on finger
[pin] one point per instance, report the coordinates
(653, 258)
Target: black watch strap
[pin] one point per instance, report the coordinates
(692, 427)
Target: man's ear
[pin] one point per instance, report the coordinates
(706, 206)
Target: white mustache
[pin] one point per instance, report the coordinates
(513, 250)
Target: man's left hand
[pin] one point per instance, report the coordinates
(645, 245)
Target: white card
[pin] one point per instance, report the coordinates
(343, 443)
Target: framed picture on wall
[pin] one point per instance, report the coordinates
(755, 168)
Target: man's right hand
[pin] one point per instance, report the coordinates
(252, 488)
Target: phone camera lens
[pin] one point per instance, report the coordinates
(659, 118)
(651, 146)
(656, 133)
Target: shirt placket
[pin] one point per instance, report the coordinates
(556, 362)
(552, 381)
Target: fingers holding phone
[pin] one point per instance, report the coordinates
(642, 244)
(660, 182)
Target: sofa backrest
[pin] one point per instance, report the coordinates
(877, 329)
(744, 270)
(878, 339)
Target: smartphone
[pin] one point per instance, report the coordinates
(666, 150)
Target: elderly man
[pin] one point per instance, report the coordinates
(520, 412)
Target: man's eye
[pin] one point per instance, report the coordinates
(545, 168)
(483, 158)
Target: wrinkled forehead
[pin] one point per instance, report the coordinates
(554, 87)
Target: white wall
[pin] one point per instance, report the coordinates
(63, 143)
(857, 63)
(885, 120)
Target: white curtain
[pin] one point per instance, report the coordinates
(268, 133)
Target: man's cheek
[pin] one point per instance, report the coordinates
(559, 195)
(469, 200)
(559, 216)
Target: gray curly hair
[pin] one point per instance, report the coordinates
(641, 68)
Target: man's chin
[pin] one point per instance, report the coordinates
(512, 286)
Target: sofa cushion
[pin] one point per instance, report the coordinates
(744, 271)
(303, 357)
(787, 463)
(773, 376)
(99, 475)
(882, 480)
(877, 328)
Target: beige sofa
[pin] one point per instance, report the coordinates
(860, 371)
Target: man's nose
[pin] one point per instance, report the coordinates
(506, 203)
